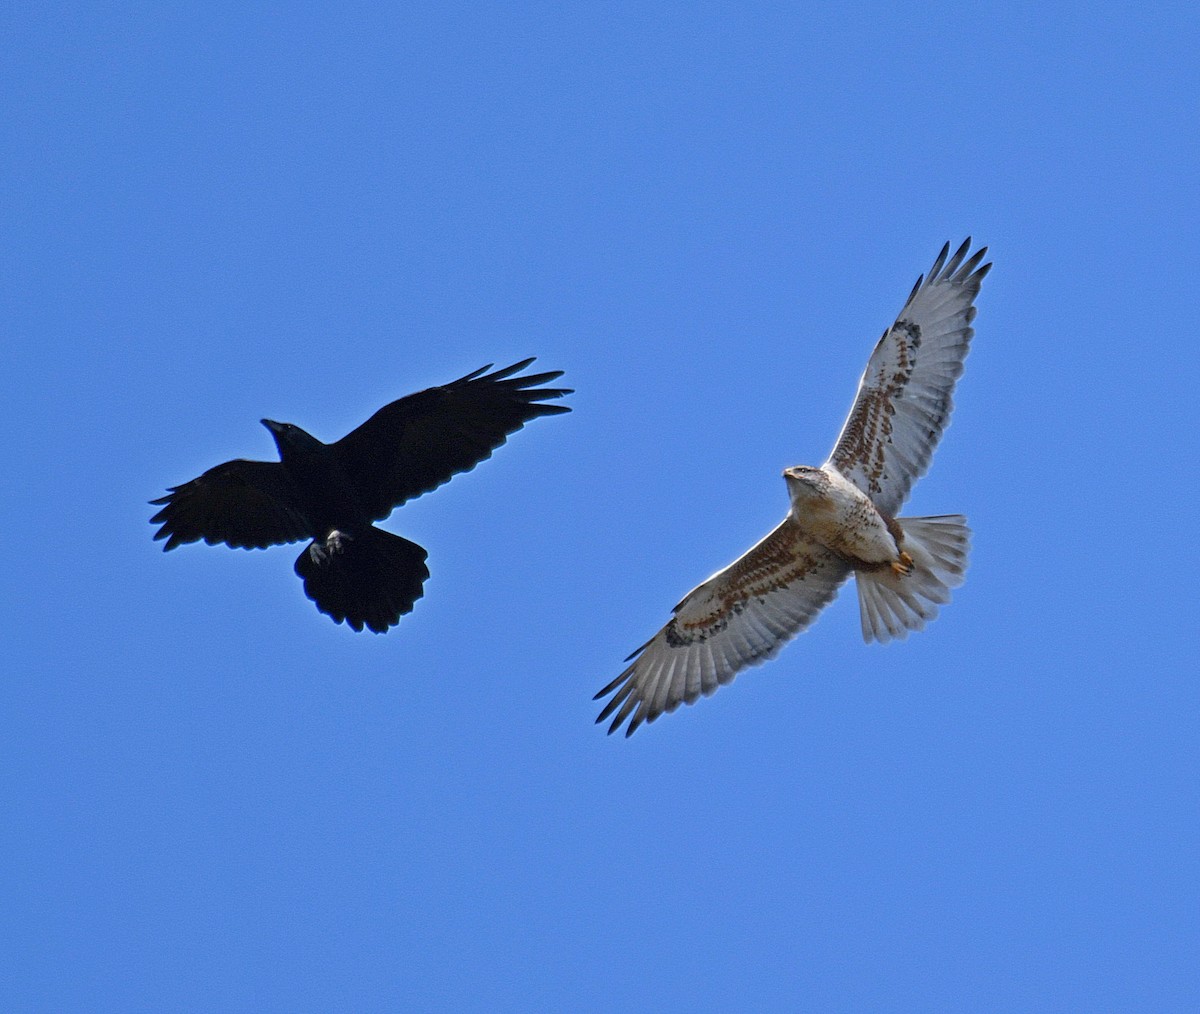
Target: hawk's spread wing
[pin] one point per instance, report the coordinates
(904, 397)
(245, 504)
(419, 442)
(740, 616)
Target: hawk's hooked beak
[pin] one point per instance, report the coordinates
(807, 477)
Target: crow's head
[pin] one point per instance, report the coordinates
(291, 439)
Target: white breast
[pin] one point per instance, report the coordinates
(847, 522)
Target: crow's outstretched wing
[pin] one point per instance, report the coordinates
(904, 397)
(245, 504)
(419, 442)
(741, 616)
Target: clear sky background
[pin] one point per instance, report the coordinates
(213, 798)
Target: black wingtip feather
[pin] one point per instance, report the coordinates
(969, 267)
(471, 376)
(939, 261)
(498, 376)
(953, 267)
(915, 289)
(612, 705)
(504, 372)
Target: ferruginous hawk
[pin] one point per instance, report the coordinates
(842, 520)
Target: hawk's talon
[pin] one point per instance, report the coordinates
(904, 565)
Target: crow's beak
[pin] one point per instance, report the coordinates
(272, 425)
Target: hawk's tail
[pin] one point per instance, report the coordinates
(892, 604)
(371, 577)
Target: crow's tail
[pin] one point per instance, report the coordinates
(370, 578)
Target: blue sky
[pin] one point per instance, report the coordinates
(214, 798)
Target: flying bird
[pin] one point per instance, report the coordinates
(842, 520)
(332, 493)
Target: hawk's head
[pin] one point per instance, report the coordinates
(808, 475)
(806, 483)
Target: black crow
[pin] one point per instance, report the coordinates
(331, 493)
